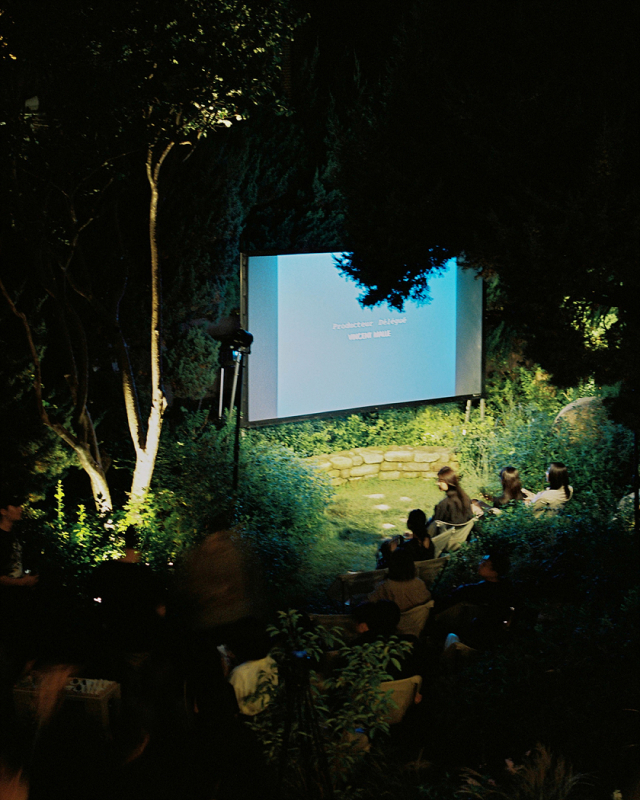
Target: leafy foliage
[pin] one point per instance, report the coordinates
(347, 704)
(541, 777)
(434, 425)
(277, 510)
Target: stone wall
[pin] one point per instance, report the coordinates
(388, 463)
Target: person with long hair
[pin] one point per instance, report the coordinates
(420, 546)
(552, 500)
(511, 487)
(455, 508)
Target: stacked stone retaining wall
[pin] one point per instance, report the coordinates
(387, 463)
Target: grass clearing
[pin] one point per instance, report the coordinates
(362, 514)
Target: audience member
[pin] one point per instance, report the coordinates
(131, 598)
(387, 547)
(511, 487)
(420, 547)
(552, 500)
(479, 613)
(512, 492)
(18, 613)
(401, 585)
(455, 508)
(252, 669)
(12, 573)
(379, 620)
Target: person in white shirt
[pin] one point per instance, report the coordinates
(551, 500)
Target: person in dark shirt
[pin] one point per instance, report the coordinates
(480, 613)
(380, 620)
(420, 547)
(455, 508)
(387, 547)
(131, 598)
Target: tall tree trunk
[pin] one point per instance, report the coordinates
(147, 446)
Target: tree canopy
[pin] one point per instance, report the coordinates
(100, 99)
(507, 133)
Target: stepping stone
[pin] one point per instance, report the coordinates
(406, 499)
(382, 507)
(375, 496)
(387, 526)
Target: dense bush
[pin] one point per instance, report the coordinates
(417, 426)
(518, 429)
(598, 457)
(277, 510)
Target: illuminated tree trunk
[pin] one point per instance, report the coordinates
(146, 443)
(85, 444)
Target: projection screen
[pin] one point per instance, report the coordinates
(317, 351)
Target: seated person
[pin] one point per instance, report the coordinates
(551, 500)
(380, 620)
(512, 492)
(479, 613)
(455, 508)
(250, 667)
(387, 547)
(420, 546)
(401, 584)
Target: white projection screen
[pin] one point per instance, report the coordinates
(317, 351)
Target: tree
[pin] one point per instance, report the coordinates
(508, 133)
(137, 81)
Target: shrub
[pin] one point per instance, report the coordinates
(277, 510)
(332, 714)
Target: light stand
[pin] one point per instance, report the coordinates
(236, 348)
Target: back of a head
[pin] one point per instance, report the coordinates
(559, 476)
(511, 484)
(9, 498)
(417, 523)
(381, 618)
(401, 566)
(248, 640)
(448, 476)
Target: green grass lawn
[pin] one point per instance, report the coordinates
(362, 514)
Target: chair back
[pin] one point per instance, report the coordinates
(403, 695)
(441, 541)
(412, 622)
(356, 585)
(429, 570)
(341, 624)
(450, 537)
(460, 535)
